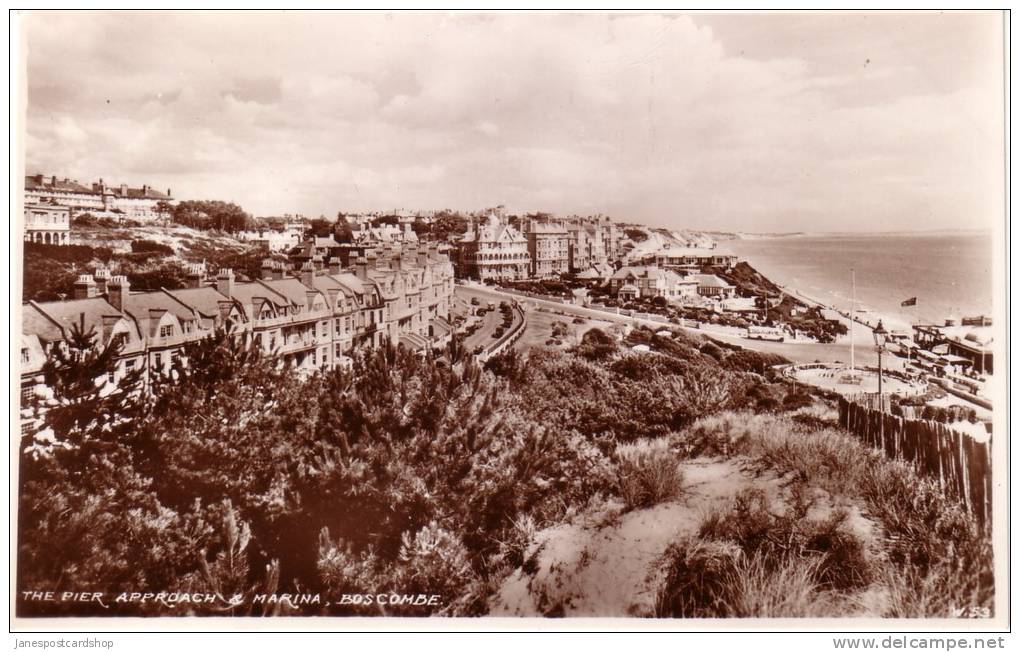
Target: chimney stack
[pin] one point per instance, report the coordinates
(123, 190)
(225, 282)
(277, 271)
(196, 274)
(84, 287)
(308, 274)
(334, 266)
(101, 277)
(118, 290)
(267, 269)
(361, 267)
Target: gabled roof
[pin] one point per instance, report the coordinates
(294, 290)
(139, 304)
(206, 299)
(246, 293)
(52, 320)
(709, 281)
(350, 281)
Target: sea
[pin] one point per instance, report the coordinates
(950, 274)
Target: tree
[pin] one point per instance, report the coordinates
(342, 231)
(447, 224)
(88, 410)
(224, 216)
(320, 227)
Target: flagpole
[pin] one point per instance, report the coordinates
(853, 307)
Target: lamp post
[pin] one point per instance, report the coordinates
(880, 336)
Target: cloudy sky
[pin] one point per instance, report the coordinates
(751, 122)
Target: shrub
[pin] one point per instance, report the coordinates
(151, 246)
(649, 473)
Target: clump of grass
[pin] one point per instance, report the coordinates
(648, 473)
(936, 557)
(748, 561)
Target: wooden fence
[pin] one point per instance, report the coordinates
(961, 465)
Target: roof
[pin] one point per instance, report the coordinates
(52, 320)
(350, 281)
(206, 300)
(139, 304)
(325, 242)
(414, 341)
(291, 288)
(57, 185)
(649, 272)
(547, 228)
(246, 293)
(710, 281)
(52, 184)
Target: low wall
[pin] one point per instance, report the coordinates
(509, 338)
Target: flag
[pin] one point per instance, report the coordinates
(912, 301)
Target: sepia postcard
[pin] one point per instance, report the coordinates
(510, 320)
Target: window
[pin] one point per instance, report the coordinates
(313, 357)
(130, 364)
(25, 357)
(27, 393)
(325, 329)
(158, 361)
(166, 331)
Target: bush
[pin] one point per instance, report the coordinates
(649, 473)
(151, 246)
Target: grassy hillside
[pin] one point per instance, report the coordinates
(150, 256)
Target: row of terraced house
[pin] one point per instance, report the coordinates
(314, 317)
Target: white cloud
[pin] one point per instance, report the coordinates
(649, 117)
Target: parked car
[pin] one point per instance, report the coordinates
(474, 301)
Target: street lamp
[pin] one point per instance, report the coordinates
(881, 335)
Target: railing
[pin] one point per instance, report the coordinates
(959, 463)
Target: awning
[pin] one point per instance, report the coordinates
(414, 341)
(956, 359)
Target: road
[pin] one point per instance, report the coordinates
(799, 352)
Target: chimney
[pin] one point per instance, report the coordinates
(225, 282)
(267, 269)
(118, 290)
(196, 274)
(334, 266)
(168, 193)
(361, 267)
(308, 274)
(370, 258)
(277, 271)
(317, 261)
(84, 287)
(145, 189)
(102, 276)
(310, 297)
